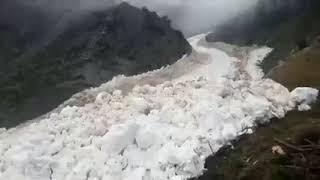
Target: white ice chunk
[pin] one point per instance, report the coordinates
(304, 96)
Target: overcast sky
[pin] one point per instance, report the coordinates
(196, 16)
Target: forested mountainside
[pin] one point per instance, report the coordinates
(286, 26)
(43, 64)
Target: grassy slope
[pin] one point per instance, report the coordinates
(301, 69)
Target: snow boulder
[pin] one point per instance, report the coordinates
(304, 96)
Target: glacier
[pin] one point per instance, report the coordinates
(160, 125)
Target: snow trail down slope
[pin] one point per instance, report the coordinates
(155, 126)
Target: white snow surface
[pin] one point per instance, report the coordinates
(155, 126)
(304, 96)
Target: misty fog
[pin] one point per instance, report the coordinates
(197, 16)
(189, 16)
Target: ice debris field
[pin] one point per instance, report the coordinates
(159, 125)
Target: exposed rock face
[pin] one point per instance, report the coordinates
(283, 25)
(93, 48)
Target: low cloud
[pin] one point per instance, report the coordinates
(189, 16)
(197, 16)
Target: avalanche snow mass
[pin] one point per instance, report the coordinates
(158, 125)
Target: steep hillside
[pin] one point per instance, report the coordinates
(285, 26)
(301, 68)
(41, 73)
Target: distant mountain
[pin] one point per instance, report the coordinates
(285, 26)
(45, 64)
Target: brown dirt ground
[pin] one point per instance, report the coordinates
(301, 69)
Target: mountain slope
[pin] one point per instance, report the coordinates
(78, 53)
(286, 26)
(301, 68)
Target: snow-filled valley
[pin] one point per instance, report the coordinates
(155, 126)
